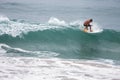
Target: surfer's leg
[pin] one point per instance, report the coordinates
(86, 27)
(90, 28)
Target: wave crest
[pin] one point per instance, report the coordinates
(17, 28)
(3, 18)
(57, 22)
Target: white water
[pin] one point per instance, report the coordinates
(23, 68)
(49, 68)
(18, 29)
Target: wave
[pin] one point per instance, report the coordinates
(69, 42)
(61, 37)
(17, 28)
(17, 52)
(11, 5)
(55, 28)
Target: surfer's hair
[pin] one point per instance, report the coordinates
(91, 20)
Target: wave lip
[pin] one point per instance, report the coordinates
(16, 28)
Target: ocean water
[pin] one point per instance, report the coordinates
(43, 40)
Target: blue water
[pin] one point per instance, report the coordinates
(43, 29)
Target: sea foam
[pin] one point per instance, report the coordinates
(56, 69)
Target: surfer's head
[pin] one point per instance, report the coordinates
(91, 20)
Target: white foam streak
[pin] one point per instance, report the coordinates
(9, 51)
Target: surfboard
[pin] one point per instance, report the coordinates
(88, 31)
(94, 30)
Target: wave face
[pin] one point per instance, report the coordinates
(58, 36)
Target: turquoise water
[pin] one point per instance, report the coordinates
(61, 37)
(70, 43)
(46, 36)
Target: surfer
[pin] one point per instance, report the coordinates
(87, 24)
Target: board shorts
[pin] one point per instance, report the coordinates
(87, 25)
